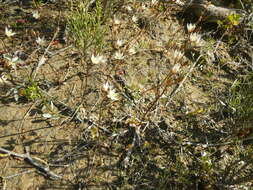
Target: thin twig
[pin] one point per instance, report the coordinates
(21, 173)
(215, 144)
(28, 131)
(20, 126)
(74, 114)
(51, 54)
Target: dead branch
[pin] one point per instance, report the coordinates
(210, 12)
(44, 170)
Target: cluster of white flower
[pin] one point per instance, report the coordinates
(111, 92)
(98, 59)
(116, 21)
(135, 19)
(120, 43)
(8, 32)
(12, 60)
(191, 27)
(41, 41)
(129, 8)
(177, 54)
(196, 39)
(132, 50)
(36, 14)
(176, 68)
(153, 2)
(179, 2)
(175, 57)
(118, 55)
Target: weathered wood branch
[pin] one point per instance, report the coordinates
(209, 11)
(44, 170)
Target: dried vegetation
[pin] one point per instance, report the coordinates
(125, 95)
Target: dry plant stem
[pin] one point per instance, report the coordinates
(177, 88)
(135, 39)
(45, 52)
(4, 185)
(74, 115)
(229, 170)
(4, 46)
(85, 81)
(150, 107)
(242, 180)
(28, 131)
(21, 173)
(219, 42)
(24, 118)
(215, 144)
(51, 54)
(42, 169)
(243, 7)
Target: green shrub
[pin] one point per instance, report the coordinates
(86, 26)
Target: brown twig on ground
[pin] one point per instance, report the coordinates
(44, 170)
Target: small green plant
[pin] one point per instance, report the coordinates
(38, 3)
(86, 27)
(234, 19)
(31, 91)
(231, 21)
